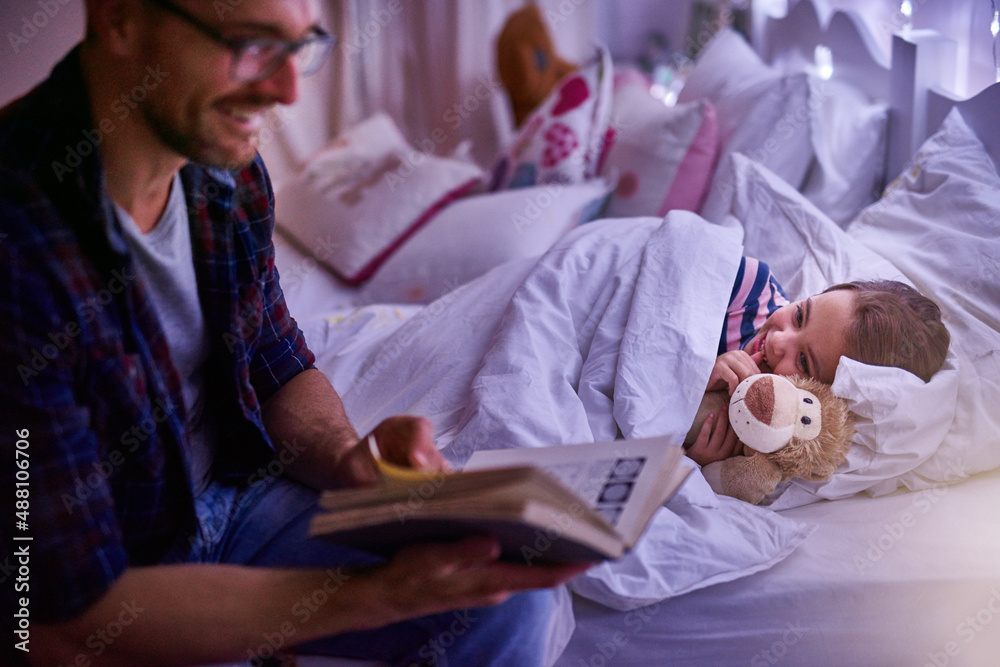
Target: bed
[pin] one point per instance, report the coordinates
(896, 560)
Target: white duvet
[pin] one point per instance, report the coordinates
(611, 334)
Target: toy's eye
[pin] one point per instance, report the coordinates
(806, 420)
(807, 400)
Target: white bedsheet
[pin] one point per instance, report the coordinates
(611, 334)
(907, 579)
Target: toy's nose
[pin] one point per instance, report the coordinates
(765, 394)
(759, 400)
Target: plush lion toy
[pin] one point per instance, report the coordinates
(527, 61)
(790, 427)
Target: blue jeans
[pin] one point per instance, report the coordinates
(266, 525)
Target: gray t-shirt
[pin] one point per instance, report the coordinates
(164, 260)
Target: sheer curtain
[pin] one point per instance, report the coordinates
(429, 64)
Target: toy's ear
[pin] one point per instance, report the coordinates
(528, 64)
(817, 458)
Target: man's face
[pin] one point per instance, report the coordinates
(200, 112)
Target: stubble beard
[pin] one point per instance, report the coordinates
(195, 147)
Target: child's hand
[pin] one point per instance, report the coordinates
(730, 369)
(716, 440)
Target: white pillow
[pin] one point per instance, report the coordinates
(807, 252)
(848, 134)
(938, 222)
(901, 420)
(761, 112)
(477, 233)
(360, 198)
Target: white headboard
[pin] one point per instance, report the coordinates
(855, 56)
(795, 42)
(981, 112)
(923, 65)
(914, 81)
(921, 60)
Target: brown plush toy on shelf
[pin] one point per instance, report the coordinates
(527, 62)
(790, 427)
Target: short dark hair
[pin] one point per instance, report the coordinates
(895, 325)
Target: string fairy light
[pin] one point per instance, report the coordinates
(906, 9)
(994, 29)
(823, 57)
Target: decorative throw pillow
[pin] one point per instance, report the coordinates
(663, 156)
(566, 137)
(360, 198)
(477, 233)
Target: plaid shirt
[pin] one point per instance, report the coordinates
(84, 365)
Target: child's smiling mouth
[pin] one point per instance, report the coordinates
(765, 366)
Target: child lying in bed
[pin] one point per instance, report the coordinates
(882, 323)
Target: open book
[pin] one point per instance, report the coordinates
(568, 503)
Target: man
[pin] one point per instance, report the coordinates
(151, 374)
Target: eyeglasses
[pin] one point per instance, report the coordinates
(257, 58)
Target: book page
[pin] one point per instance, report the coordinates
(623, 481)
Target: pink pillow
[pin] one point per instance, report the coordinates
(694, 175)
(564, 140)
(664, 156)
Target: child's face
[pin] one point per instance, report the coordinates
(805, 337)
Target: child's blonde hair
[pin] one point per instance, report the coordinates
(895, 325)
